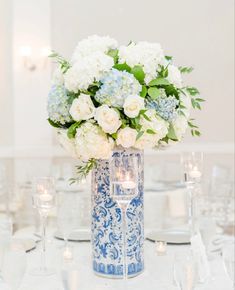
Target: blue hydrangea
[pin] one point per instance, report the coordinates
(165, 106)
(116, 86)
(58, 105)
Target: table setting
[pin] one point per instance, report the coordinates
(112, 222)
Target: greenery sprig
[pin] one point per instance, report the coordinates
(83, 170)
(64, 64)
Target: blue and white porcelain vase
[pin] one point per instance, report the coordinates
(107, 234)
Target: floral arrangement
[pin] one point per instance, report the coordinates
(108, 95)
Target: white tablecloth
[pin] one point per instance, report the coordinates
(157, 276)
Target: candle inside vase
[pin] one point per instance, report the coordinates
(195, 173)
(45, 197)
(161, 248)
(128, 183)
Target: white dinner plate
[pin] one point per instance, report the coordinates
(27, 244)
(76, 236)
(171, 236)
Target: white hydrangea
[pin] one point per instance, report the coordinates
(58, 77)
(93, 44)
(174, 76)
(108, 119)
(66, 143)
(89, 69)
(92, 142)
(149, 55)
(157, 125)
(180, 126)
(82, 108)
(126, 137)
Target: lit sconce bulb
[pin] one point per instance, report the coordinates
(25, 51)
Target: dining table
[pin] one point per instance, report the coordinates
(158, 274)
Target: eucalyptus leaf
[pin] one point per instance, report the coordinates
(150, 131)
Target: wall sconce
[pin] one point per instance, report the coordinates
(31, 63)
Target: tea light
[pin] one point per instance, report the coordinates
(161, 248)
(45, 197)
(195, 173)
(67, 255)
(128, 183)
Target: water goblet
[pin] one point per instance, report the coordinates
(124, 188)
(44, 200)
(14, 266)
(185, 271)
(228, 252)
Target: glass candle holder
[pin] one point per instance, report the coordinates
(161, 247)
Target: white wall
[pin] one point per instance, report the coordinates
(198, 33)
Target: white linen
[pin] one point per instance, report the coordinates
(157, 276)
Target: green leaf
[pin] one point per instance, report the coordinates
(168, 57)
(200, 100)
(159, 82)
(139, 135)
(192, 91)
(171, 133)
(54, 124)
(122, 67)
(83, 170)
(150, 131)
(72, 130)
(185, 69)
(114, 136)
(138, 73)
(153, 92)
(114, 54)
(144, 92)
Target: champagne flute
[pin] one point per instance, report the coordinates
(124, 180)
(228, 252)
(44, 201)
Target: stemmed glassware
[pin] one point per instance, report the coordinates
(124, 187)
(229, 259)
(192, 166)
(44, 199)
(185, 271)
(67, 218)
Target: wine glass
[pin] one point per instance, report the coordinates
(124, 187)
(185, 273)
(67, 218)
(14, 266)
(228, 252)
(44, 201)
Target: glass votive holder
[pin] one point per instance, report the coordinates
(161, 247)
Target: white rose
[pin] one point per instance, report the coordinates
(126, 137)
(66, 143)
(92, 142)
(180, 126)
(174, 76)
(133, 105)
(108, 119)
(82, 108)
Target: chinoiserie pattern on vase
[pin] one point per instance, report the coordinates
(107, 237)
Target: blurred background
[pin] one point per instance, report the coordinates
(197, 33)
